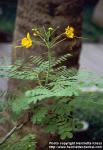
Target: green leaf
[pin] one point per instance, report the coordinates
(66, 135)
(39, 115)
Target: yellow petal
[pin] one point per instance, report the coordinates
(28, 36)
(24, 41)
(71, 29)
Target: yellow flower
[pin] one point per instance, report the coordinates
(26, 41)
(69, 32)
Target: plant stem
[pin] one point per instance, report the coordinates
(8, 135)
(58, 42)
(49, 59)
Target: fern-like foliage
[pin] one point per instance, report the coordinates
(30, 68)
(57, 118)
(41, 93)
(61, 59)
(9, 95)
(61, 85)
(27, 142)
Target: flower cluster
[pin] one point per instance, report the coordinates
(27, 41)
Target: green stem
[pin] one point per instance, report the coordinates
(49, 68)
(58, 42)
(49, 59)
(56, 39)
